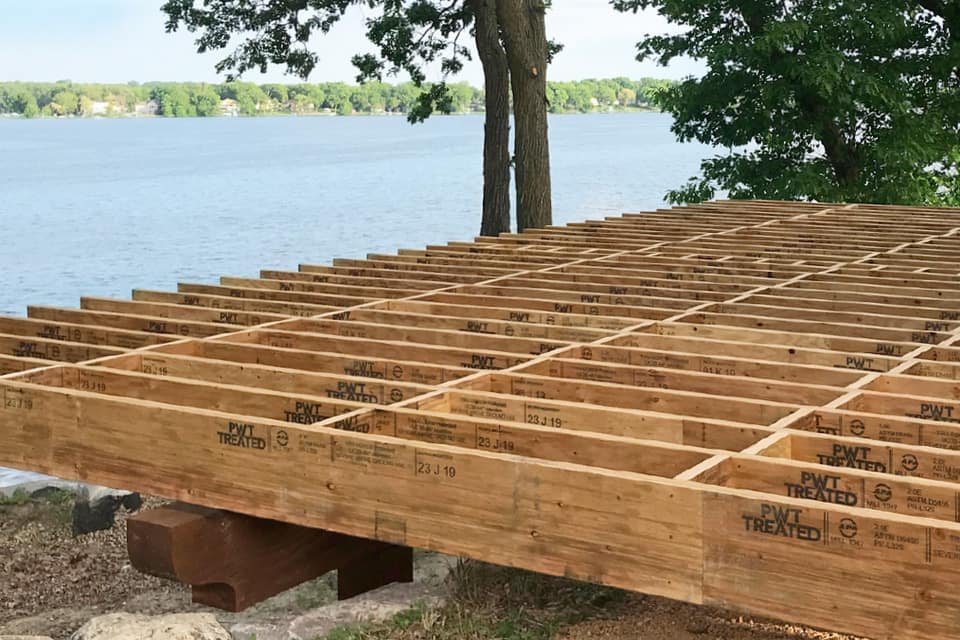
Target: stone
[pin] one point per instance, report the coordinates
(25, 638)
(128, 626)
(96, 507)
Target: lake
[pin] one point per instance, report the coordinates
(97, 207)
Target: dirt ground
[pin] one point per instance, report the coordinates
(51, 583)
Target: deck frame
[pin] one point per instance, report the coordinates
(737, 403)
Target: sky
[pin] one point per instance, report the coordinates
(124, 40)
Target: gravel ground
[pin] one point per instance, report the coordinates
(51, 582)
(649, 618)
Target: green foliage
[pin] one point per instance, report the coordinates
(204, 100)
(17, 498)
(829, 100)
(65, 103)
(409, 35)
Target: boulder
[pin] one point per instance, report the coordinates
(96, 507)
(128, 626)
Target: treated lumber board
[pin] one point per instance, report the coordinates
(50, 349)
(576, 294)
(476, 339)
(783, 557)
(681, 273)
(937, 408)
(885, 352)
(361, 361)
(807, 288)
(932, 369)
(620, 288)
(384, 281)
(401, 270)
(678, 402)
(491, 264)
(398, 349)
(883, 428)
(79, 333)
(338, 398)
(475, 324)
(844, 317)
(329, 385)
(873, 284)
(537, 515)
(787, 297)
(318, 287)
(529, 440)
(701, 382)
(630, 423)
(553, 305)
(610, 364)
(849, 487)
(127, 322)
(233, 304)
(813, 326)
(178, 312)
(942, 354)
(517, 315)
(266, 294)
(912, 385)
(13, 364)
(880, 457)
(735, 358)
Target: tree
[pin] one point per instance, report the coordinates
(65, 103)
(25, 104)
(510, 36)
(206, 101)
(829, 100)
(173, 102)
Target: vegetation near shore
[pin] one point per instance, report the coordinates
(189, 99)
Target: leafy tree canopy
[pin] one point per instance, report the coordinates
(410, 36)
(829, 100)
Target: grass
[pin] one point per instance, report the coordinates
(17, 499)
(54, 506)
(494, 603)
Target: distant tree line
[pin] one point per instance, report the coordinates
(189, 99)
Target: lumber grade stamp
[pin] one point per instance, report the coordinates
(233, 561)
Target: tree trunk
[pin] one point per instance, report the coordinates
(496, 138)
(524, 32)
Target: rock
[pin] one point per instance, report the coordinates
(96, 507)
(25, 638)
(128, 626)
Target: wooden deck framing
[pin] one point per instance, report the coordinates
(748, 404)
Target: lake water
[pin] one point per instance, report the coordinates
(97, 207)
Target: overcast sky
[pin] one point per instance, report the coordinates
(122, 40)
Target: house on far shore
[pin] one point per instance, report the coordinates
(149, 108)
(228, 107)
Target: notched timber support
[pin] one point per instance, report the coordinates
(233, 561)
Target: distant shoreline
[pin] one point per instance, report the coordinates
(66, 99)
(382, 114)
